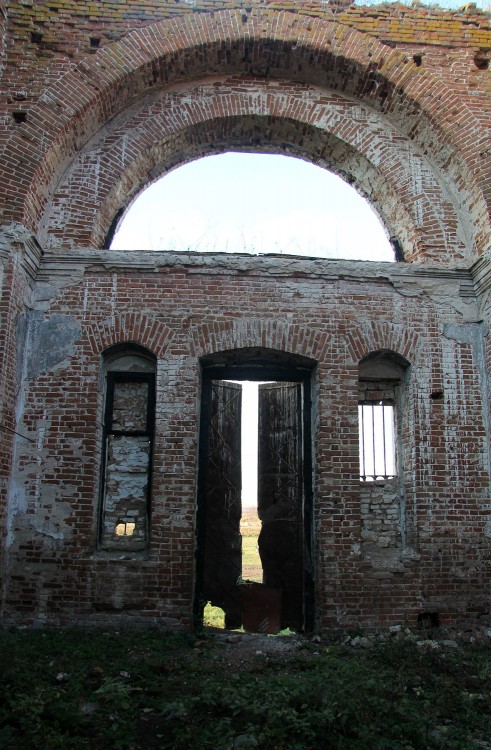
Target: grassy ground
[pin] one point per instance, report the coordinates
(72, 690)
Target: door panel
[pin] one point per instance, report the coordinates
(280, 495)
(222, 564)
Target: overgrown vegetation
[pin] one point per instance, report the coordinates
(213, 617)
(148, 690)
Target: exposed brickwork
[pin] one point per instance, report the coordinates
(170, 129)
(102, 98)
(195, 307)
(127, 328)
(416, 98)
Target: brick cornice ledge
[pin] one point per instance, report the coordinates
(481, 274)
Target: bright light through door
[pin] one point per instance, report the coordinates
(250, 524)
(249, 444)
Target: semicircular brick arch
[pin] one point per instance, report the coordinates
(375, 336)
(267, 134)
(383, 166)
(213, 337)
(129, 328)
(319, 51)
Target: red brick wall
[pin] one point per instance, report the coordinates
(193, 309)
(394, 99)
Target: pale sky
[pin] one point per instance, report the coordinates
(254, 203)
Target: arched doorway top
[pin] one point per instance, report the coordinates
(250, 361)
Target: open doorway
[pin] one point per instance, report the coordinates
(283, 596)
(250, 523)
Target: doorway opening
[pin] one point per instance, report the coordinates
(250, 523)
(254, 550)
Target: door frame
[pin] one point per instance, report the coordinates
(260, 368)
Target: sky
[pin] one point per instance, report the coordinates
(254, 203)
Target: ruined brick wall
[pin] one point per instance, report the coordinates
(101, 99)
(442, 562)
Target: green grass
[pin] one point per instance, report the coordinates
(213, 617)
(252, 569)
(251, 562)
(71, 690)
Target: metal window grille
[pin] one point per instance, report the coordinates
(377, 445)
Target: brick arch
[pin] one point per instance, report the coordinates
(129, 328)
(320, 51)
(386, 169)
(272, 134)
(375, 336)
(213, 337)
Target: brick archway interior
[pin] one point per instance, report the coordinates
(329, 129)
(177, 89)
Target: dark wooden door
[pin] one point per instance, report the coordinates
(280, 495)
(221, 498)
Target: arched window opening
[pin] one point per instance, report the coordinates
(129, 419)
(383, 441)
(254, 203)
(380, 377)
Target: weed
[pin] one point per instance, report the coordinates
(153, 691)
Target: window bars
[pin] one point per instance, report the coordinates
(377, 445)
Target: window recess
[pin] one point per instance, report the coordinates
(127, 458)
(381, 384)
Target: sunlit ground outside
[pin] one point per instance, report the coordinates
(250, 526)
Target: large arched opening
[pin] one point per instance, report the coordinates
(256, 204)
(356, 107)
(304, 83)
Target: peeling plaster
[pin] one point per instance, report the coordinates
(474, 334)
(440, 292)
(51, 341)
(43, 295)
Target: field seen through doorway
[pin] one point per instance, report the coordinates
(250, 526)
